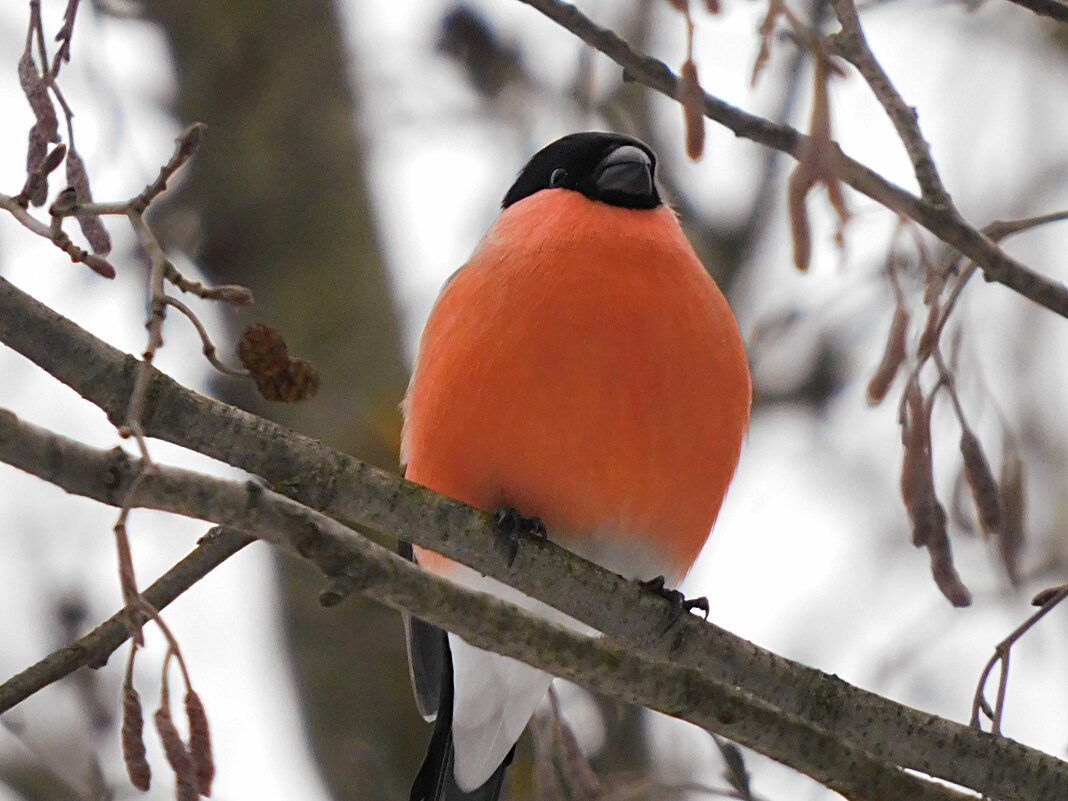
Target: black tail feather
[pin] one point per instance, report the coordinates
(435, 780)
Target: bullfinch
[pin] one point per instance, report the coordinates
(584, 369)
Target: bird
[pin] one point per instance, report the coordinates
(583, 371)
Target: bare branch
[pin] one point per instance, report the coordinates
(946, 224)
(599, 663)
(227, 293)
(1046, 600)
(939, 316)
(360, 495)
(207, 346)
(94, 648)
(852, 45)
(56, 236)
(188, 142)
(76, 200)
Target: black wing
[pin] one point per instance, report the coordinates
(428, 652)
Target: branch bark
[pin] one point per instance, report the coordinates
(602, 664)
(944, 222)
(359, 495)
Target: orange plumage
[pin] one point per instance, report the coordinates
(583, 368)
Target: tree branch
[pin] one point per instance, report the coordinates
(604, 665)
(362, 496)
(94, 648)
(945, 223)
(851, 43)
(1046, 8)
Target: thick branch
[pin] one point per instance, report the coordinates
(602, 664)
(360, 495)
(945, 223)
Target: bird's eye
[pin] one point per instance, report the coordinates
(558, 177)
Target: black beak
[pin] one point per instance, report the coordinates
(625, 172)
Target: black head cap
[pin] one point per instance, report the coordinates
(612, 168)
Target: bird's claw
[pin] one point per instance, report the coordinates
(679, 602)
(515, 526)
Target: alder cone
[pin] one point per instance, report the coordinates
(278, 377)
(133, 743)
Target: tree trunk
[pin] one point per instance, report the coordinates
(279, 194)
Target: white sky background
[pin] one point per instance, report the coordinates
(810, 556)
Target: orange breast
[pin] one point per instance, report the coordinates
(583, 367)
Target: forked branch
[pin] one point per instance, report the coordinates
(945, 223)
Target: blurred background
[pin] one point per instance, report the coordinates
(356, 152)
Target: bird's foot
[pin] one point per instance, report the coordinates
(679, 602)
(515, 526)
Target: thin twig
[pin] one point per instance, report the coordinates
(131, 426)
(188, 142)
(947, 381)
(1000, 229)
(127, 578)
(207, 345)
(1050, 599)
(996, 232)
(162, 268)
(228, 293)
(157, 312)
(173, 650)
(59, 238)
(68, 112)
